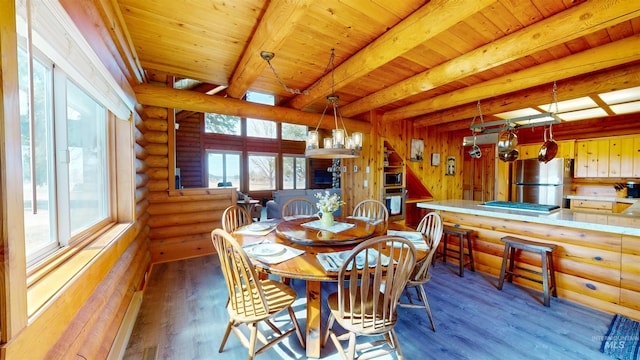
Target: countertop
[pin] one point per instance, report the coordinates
(603, 198)
(626, 223)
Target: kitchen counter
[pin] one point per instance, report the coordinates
(626, 223)
(596, 258)
(603, 198)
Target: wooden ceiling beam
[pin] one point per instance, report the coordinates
(191, 100)
(432, 19)
(606, 56)
(567, 25)
(269, 36)
(586, 85)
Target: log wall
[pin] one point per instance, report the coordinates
(591, 269)
(84, 318)
(181, 221)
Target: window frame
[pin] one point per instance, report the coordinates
(278, 172)
(224, 154)
(296, 158)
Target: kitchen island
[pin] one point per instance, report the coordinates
(598, 256)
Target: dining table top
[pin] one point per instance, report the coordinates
(292, 233)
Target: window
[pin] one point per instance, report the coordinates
(222, 124)
(262, 172)
(64, 157)
(294, 132)
(223, 167)
(261, 128)
(294, 172)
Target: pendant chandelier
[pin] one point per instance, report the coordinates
(340, 145)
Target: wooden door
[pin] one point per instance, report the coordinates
(479, 175)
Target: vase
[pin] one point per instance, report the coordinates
(326, 219)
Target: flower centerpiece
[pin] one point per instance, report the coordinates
(327, 204)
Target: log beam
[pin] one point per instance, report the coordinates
(574, 88)
(434, 18)
(191, 100)
(270, 35)
(598, 58)
(567, 25)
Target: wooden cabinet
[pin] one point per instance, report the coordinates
(566, 149)
(616, 157)
(599, 205)
(592, 205)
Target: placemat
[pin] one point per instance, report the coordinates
(414, 236)
(336, 228)
(289, 253)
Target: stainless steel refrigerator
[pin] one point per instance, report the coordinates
(541, 183)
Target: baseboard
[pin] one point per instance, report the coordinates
(121, 341)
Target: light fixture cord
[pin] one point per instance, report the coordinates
(298, 91)
(291, 90)
(478, 112)
(554, 97)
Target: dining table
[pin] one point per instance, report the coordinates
(305, 242)
(248, 204)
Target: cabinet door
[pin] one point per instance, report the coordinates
(627, 154)
(528, 151)
(587, 158)
(615, 157)
(602, 158)
(636, 156)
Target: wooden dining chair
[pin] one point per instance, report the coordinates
(299, 206)
(252, 300)
(366, 301)
(372, 209)
(431, 228)
(234, 217)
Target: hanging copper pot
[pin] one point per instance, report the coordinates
(549, 149)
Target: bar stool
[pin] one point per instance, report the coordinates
(547, 272)
(462, 235)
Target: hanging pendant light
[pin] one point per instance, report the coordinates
(340, 145)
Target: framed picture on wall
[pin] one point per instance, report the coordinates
(451, 166)
(417, 150)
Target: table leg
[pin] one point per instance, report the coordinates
(314, 330)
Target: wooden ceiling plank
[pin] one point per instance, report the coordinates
(269, 36)
(615, 53)
(570, 24)
(434, 17)
(586, 85)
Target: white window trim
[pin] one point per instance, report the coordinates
(59, 33)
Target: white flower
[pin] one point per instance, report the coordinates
(327, 202)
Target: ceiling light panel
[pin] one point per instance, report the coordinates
(626, 108)
(583, 114)
(518, 113)
(571, 105)
(621, 96)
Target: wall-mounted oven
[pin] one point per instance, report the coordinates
(394, 199)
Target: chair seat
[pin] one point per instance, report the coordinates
(278, 297)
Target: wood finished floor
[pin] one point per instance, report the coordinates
(183, 314)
